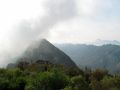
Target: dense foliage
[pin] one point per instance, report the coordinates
(47, 76)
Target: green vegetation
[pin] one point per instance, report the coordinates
(46, 76)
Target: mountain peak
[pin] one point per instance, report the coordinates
(44, 50)
(45, 40)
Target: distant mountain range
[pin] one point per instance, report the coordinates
(106, 56)
(44, 50)
(100, 42)
(102, 56)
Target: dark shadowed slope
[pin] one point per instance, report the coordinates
(44, 50)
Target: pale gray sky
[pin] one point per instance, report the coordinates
(60, 21)
(93, 19)
(96, 19)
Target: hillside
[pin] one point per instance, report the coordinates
(106, 56)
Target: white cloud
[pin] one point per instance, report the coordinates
(86, 6)
(30, 20)
(96, 19)
(82, 30)
(67, 21)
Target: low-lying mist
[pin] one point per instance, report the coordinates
(28, 31)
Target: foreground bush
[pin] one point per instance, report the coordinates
(49, 81)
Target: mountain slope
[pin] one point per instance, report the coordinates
(106, 56)
(44, 50)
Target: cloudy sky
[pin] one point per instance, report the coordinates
(73, 21)
(60, 21)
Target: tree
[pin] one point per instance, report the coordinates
(50, 81)
(98, 74)
(78, 83)
(22, 65)
(111, 83)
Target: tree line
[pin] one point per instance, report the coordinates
(46, 76)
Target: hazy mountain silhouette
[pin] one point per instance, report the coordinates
(106, 56)
(105, 42)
